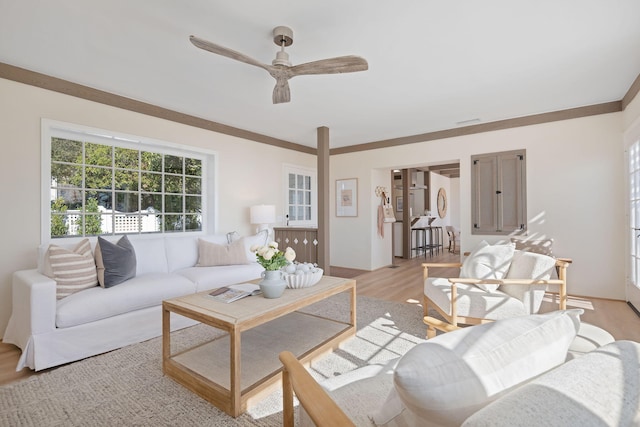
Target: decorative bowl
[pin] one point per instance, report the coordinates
(299, 281)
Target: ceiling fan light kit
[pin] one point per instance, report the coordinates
(281, 68)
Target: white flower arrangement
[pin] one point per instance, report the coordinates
(271, 258)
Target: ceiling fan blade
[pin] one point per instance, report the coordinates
(341, 64)
(229, 53)
(281, 92)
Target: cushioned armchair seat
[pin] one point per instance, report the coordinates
(472, 301)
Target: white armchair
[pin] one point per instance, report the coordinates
(496, 282)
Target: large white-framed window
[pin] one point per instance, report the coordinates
(301, 196)
(98, 182)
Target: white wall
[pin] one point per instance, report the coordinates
(248, 172)
(454, 203)
(631, 113)
(381, 245)
(575, 192)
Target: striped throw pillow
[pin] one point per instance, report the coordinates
(73, 270)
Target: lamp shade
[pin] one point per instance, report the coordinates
(263, 214)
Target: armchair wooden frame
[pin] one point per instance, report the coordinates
(453, 319)
(322, 410)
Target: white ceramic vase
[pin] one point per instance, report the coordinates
(272, 284)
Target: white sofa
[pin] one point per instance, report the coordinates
(500, 374)
(53, 331)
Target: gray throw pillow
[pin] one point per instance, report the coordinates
(116, 263)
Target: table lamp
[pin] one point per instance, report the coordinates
(262, 215)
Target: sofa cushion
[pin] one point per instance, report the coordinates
(211, 254)
(140, 292)
(150, 255)
(447, 378)
(115, 262)
(597, 389)
(73, 270)
(206, 278)
(488, 262)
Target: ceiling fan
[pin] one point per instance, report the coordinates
(281, 69)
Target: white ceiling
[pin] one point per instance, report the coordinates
(432, 64)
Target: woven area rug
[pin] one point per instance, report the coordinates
(127, 387)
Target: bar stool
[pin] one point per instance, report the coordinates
(420, 232)
(439, 238)
(436, 239)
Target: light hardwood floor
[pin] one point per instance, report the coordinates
(402, 282)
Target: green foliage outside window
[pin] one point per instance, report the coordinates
(59, 225)
(92, 223)
(123, 181)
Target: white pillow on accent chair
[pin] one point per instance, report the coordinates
(446, 379)
(529, 265)
(488, 262)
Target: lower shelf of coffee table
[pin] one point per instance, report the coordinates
(206, 369)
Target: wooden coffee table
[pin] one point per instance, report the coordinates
(232, 368)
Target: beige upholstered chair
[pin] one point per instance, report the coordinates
(454, 239)
(506, 283)
(316, 402)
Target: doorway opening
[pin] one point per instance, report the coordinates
(426, 198)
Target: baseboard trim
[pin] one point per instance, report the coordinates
(345, 272)
(635, 310)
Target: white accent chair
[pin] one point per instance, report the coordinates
(454, 238)
(496, 282)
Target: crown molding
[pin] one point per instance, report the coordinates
(591, 110)
(631, 93)
(66, 87)
(55, 84)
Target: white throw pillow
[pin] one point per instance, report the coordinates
(529, 265)
(448, 378)
(488, 262)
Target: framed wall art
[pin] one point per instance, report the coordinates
(347, 197)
